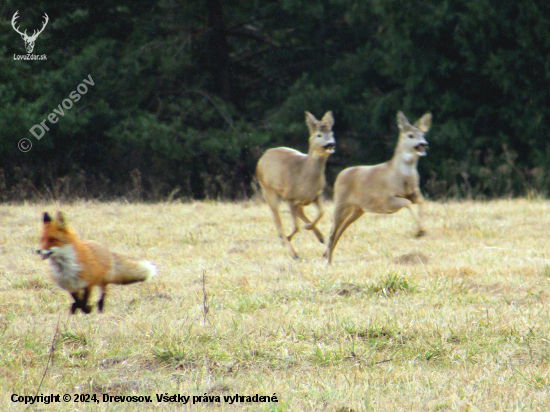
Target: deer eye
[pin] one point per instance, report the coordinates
(410, 135)
(319, 135)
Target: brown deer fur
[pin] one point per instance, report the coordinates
(383, 188)
(286, 174)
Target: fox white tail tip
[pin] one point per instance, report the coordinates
(152, 269)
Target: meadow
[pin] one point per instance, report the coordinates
(457, 320)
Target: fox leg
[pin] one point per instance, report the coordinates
(101, 301)
(311, 225)
(81, 304)
(76, 303)
(84, 302)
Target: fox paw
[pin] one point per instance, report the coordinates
(74, 307)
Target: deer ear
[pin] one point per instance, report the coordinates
(61, 220)
(424, 123)
(311, 123)
(47, 218)
(328, 119)
(402, 121)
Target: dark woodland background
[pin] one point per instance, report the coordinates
(189, 93)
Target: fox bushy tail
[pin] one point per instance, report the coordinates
(127, 270)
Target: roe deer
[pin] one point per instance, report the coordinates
(383, 188)
(287, 174)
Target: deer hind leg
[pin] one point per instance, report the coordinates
(343, 217)
(341, 213)
(311, 225)
(273, 200)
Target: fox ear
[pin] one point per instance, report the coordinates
(328, 119)
(47, 217)
(424, 123)
(402, 121)
(311, 123)
(61, 220)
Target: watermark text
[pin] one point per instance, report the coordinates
(39, 129)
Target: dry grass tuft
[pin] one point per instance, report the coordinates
(457, 320)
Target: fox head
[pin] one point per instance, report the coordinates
(321, 137)
(55, 235)
(411, 143)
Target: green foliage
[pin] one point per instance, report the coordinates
(191, 93)
(392, 284)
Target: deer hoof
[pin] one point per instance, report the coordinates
(421, 233)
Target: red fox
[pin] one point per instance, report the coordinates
(78, 265)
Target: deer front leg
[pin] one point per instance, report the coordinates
(419, 200)
(396, 203)
(311, 225)
(294, 212)
(272, 200)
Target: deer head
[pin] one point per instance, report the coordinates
(29, 40)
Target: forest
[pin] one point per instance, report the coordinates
(173, 99)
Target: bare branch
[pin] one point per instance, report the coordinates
(52, 349)
(205, 307)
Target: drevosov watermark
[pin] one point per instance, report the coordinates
(39, 129)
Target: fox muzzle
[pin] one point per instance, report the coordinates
(44, 254)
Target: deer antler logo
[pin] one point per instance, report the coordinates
(29, 40)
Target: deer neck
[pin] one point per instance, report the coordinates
(314, 166)
(404, 163)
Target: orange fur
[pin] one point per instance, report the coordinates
(77, 266)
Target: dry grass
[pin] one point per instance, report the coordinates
(457, 320)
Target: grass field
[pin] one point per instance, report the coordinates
(457, 320)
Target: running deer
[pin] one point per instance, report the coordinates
(286, 174)
(383, 188)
